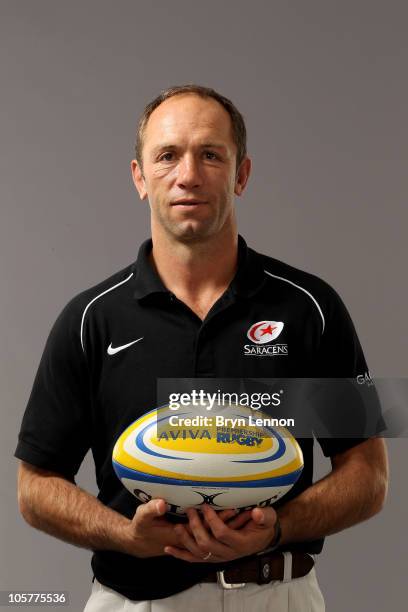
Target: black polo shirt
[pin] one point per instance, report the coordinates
(86, 393)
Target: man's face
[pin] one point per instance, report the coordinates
(189, 168)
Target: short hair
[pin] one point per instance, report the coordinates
(237, 120)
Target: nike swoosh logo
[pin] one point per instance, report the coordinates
(113, 351)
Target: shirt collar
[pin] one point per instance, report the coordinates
(147, 280)
(248, 279)
(250, 276)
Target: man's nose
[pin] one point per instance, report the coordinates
(189, 175)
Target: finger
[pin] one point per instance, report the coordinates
(198, 530)
(224, 515)
(262, 521)
(264, 517)
(146, 513)
(187, 540)
(188, 528)
(246, 541)
(204, 539)
(240, 520)
(222, 532)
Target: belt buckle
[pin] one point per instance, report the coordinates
(228, 585)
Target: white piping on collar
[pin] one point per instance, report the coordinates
(93, 300)
(286, 280)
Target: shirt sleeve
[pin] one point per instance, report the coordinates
(56, 427)
(348, 406)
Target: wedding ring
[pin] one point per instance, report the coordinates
(207, 556)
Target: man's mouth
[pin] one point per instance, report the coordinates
(185, 202)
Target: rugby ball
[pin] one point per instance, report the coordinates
(222, 458)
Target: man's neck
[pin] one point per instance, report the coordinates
(196, 273)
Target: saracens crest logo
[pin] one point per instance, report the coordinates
(262, 333)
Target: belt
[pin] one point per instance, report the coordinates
(262, 569)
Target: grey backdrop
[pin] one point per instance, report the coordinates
(324, 91)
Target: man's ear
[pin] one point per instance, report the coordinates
(242, 176)
(138, 179)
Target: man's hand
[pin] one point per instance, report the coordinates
(248, 533)
(150, 532)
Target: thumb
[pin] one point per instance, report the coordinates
(264, 517)
(146, 513)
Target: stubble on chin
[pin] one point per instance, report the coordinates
(183, 231)
(188, 234)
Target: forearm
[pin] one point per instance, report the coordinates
(351, 493)
(62, 509)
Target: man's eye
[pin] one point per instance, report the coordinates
(166, 157)
(210, 155)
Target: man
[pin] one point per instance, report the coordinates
(183, 309)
